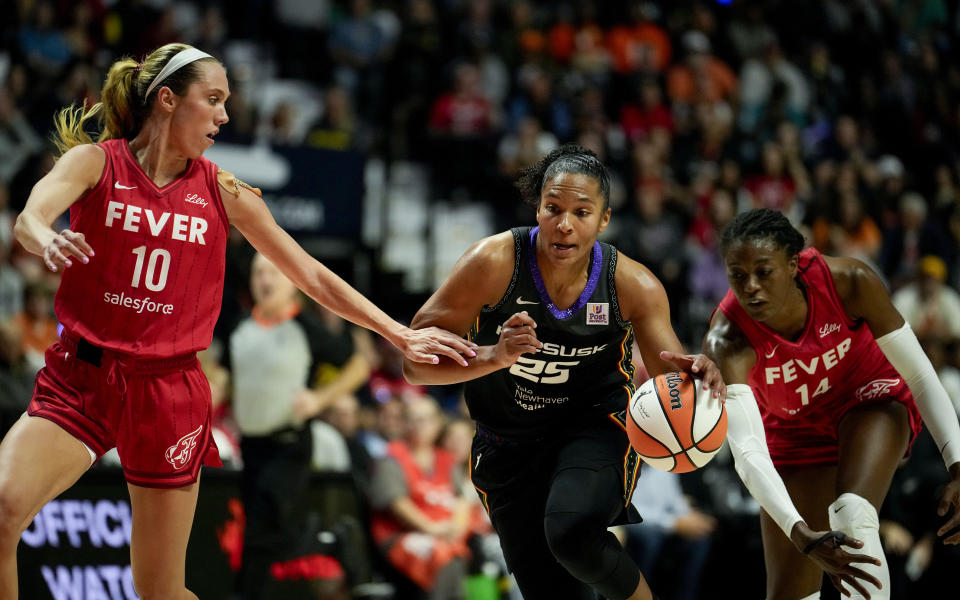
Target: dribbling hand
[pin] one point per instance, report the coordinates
(826, 548)
(425, 345)
(518, 336)
(701, 367)
(66, 244)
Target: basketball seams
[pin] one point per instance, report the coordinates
(641, 430)
(692, 453)
(672, 428)
(706, 436)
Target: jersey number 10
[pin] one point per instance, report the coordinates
(156, 278)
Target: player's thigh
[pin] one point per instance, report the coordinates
(162, 518)
(38, 461)
(873, 438)
(790, 574)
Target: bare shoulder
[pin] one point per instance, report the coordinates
(857, 284)
(639, 292)
(726, 344)
(480, 277)
(83, 163)
(486, 268)
(495, 253)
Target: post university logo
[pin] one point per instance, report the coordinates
(178, 454)
(598, 313)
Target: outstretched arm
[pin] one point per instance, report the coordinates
(77, 171)
(745, 435)
(864, 296)
(643, 302)
(250, 215)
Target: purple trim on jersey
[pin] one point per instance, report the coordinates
(542, 287)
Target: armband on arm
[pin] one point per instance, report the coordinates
(902, 349)
(748, 444)
(229, 181)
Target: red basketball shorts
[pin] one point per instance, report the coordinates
(155, 411)
(813, 440)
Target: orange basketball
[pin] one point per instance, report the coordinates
(674, 424)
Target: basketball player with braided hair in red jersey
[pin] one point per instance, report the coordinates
(143, 269)
(826, 386)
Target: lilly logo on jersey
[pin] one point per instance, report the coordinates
(598, 313)
(829, 328)
(195, 199)
(876, 389)
(178, 454)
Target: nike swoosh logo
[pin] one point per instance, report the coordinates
(839, 508)
(479, 454)
(772, 351)
(522, 301)
(117, 185)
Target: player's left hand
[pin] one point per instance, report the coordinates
(951, 499)
(702, 367)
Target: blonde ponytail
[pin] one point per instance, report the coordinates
(115, 114)
(122, 109)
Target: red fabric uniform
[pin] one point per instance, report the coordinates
(155, 285)
(146, 302)
(805, 386)
(417, 555)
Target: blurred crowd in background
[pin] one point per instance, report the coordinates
(843, 114)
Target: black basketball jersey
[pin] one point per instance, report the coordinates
(584, 368)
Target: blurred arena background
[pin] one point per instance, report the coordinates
(386, 134)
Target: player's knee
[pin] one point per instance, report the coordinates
(14, 517)
(850, 513)
(570, 537)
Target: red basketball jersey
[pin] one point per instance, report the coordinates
(154, 287)
(835, 362)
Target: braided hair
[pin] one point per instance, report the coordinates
(762, 224)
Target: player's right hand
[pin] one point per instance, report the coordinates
(826, 548)
(517, 336)
(66, 244)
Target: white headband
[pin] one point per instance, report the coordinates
(184, 57)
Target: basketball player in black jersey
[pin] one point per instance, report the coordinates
(555, 312)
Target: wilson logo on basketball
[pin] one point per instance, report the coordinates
(876, 389)
(673, 381)
(178, 454)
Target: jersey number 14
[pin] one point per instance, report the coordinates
(805, 395)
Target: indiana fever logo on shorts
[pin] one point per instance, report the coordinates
(876, 389)
(178, 454)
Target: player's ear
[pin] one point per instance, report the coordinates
(604, 220)
(793, 265)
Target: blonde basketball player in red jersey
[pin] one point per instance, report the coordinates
(143, 268)
(820, 368)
